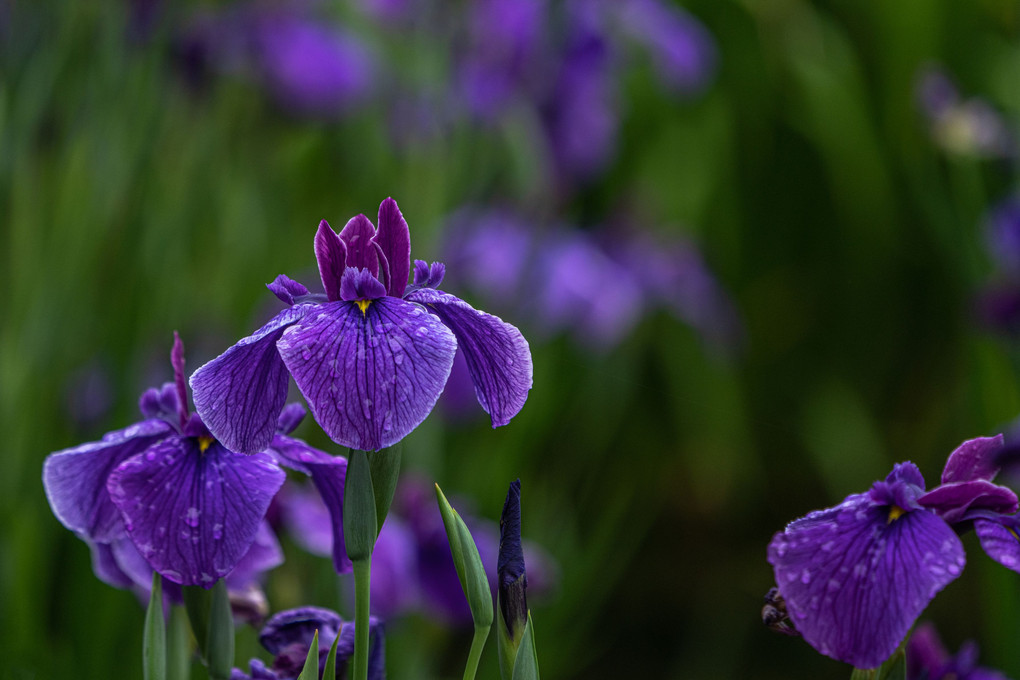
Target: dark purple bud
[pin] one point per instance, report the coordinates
(513, 581)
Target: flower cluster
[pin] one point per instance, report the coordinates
(562, 267)
(962, 126)
(855, 577)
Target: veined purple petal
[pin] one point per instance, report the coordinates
(1000, 541)
(369, 376)
(955, 502)
(287, 289)
(394, 239)
(428, 276)
(497, 354)
(973, 459)
(357, 236)
(264, 554)
(331, 254)
(328, 473)
(240, 393)
(855, 577)
(193, 514)
(75, 479)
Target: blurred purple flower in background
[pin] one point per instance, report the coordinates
(556, 277)
(855, 577)
(311, 66)
(962, 126)
(927, 659)
(999, 300)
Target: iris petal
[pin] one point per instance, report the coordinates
(855, 581)
(498, 356)
(394, 239)
(75, 479)
(331, 255)
(193, 515)
(240, 393)
(357, 236)
(369, 376)
(999, 541)
(328, 473)
(973, 459)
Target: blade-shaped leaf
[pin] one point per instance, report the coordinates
(329, 672)
(466, 559)
(385, 467)
(154, 634)
(221, 633)
(526, 664)
(311, 668)
(360, 525)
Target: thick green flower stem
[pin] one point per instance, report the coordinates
(477, 645)
(362, 580)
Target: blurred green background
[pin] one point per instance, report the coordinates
(133, 204)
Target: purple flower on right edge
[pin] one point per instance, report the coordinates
(855, 577)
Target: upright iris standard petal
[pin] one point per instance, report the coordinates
(357, 236)
(369, 376)
(394, 239)
(498, 356)
(240, 393)
(331, 255)
(192, 513)
(855, 577)
(75, 479)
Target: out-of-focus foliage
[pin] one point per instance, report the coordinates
(155, 174)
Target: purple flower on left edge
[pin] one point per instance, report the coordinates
(371, 355)
(189, 505)
(855, 577)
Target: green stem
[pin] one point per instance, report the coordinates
(477, 644)
(362, 578)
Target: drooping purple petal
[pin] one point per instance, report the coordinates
(360, 284)
(264, 554)
(105, 566)
(331, 255)
(328, 473)
(973, 459)
(1000, 541)
(287, 289)
(394, 570)
(394, 239)
(357, 235)
(370, 377)
(75, 479)
(957, 502)
(193, 514)
(497, 354)
(307, 518)
(290, 417)
(240, 393)
(856, 576)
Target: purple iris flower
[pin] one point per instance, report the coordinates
(856, 576)
(682, 50)
(963, 126)
(190, 506)
(371, 356)
(927, 659)
(288, 634)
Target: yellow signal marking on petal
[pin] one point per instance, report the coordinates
(1013, 532)
(204, 443)
(895, 512)
(363, 305)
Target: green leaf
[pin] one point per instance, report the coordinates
(470, 570)
(360, 526)
(526, 663)
(329, 672)
(197, 601)
(385, 467)
(154, 634)
(311, 669)
(221, 633)
(178, 645)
